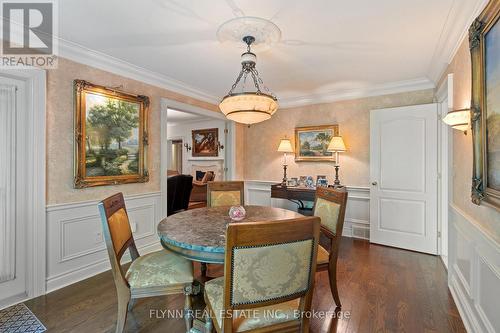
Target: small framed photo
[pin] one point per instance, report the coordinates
(321, 181)
(292, 182)
(309, 182)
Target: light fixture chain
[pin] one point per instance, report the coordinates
(236, 83)
(255, 80)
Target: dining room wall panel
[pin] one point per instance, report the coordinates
(76, 248)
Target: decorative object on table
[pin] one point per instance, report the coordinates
(292, 182)
(243, 106)
(484, 40)
(205, 142)
(321, 181)
(311, 142)
(302, 180)
(337, 146)
(18, 318)
(309, 181)
(330, 205)
(285, 147)
(458, 119)
(237, 213)
(111, 136)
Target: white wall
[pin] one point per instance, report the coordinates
(183, 130)
(75, 245)
(474, 272)
(357, 218)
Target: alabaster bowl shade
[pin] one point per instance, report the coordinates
(458, 119)
(285, 146)
(248, 108)
(336, 144)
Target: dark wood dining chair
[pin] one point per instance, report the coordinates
(154, 274)
(269, 268)
(229, 193)
(329, 206)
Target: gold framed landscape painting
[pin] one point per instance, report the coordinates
(484, 39)
(111, 136)
(311, 142)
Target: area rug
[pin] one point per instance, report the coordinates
(18, 318)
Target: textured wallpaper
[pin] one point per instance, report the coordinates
(60, 132)
(487, 217)
(263, 162)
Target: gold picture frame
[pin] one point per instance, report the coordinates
(482, 189)
(111, 136)
(311, 143)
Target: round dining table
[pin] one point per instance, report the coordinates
(200, 234)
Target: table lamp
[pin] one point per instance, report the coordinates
(285, 147)
(337, 146)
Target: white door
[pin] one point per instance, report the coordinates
(12, 162)
(403, 171)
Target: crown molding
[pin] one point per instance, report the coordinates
(86, 56)
(347, 94)
(455, 31)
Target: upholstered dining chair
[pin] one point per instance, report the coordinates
(268, 273)
(230, 193)
(154, 274)
(329, 206)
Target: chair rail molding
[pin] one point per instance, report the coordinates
(76, 248)
(357, 218)
(474, 272)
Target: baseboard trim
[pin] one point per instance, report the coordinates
(73, 276)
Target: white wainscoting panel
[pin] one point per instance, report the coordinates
(357, 219)
(474, 273)
(75, 241)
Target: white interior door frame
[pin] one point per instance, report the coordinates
(445, 164)
(230, 148)
(35, 172)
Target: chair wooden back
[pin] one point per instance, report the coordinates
(117, 234)
(330, 205)
(269, 263)
(230, 193)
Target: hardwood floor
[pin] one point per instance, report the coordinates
(382, 289)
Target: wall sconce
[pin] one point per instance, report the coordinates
(458, 119)
(219, 146)
(187, 146)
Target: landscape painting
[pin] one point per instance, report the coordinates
(206, 142)
(311, 143)
(492, 81)
(110, 136)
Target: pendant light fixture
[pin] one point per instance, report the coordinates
(249, 107)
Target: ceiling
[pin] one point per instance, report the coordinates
(175, 117)
(328, 48)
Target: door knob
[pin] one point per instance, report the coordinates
(374, 183)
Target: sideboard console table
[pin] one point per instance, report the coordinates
(296, 194)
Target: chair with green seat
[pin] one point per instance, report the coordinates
(269, 277)
(154, 274)
(329, 206)
(229, 193)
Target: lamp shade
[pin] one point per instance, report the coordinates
(458, 119)
(336, 144)
(285, 146)
(248, 108)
